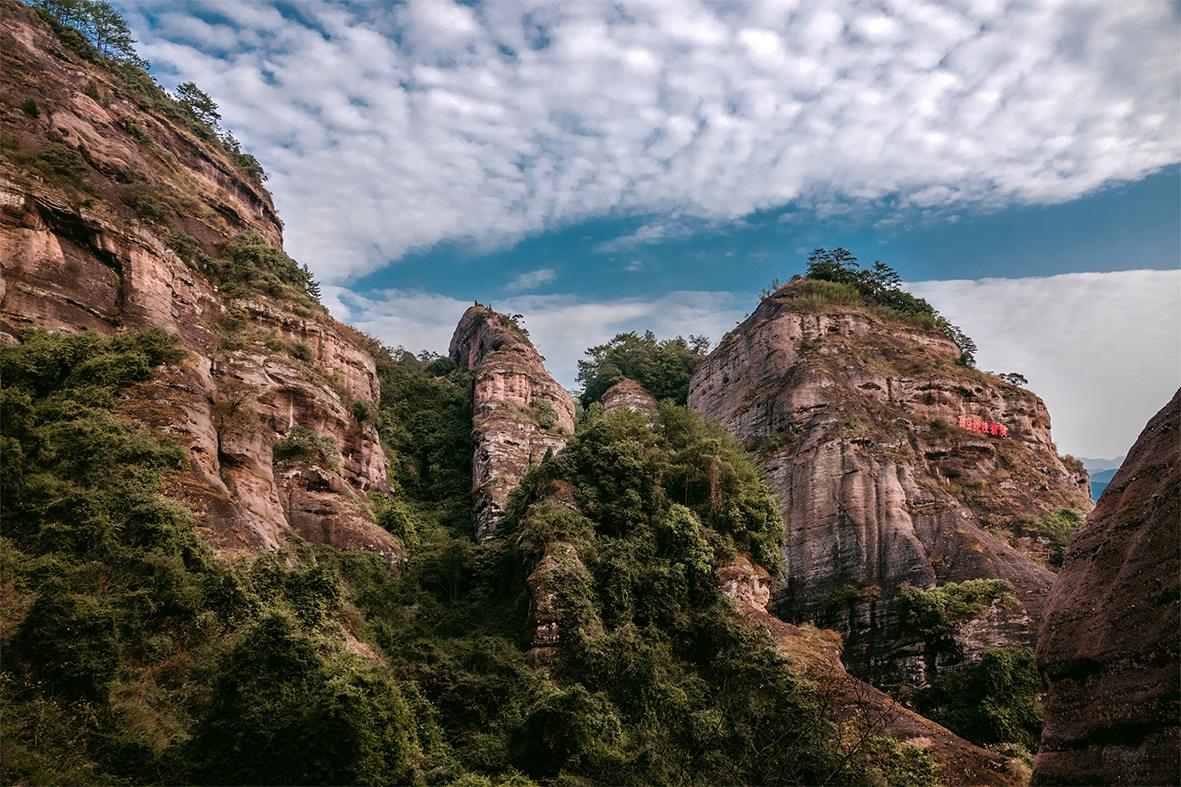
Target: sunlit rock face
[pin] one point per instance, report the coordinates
(856, 422)
(78, 253)
(1109, 644)
(519, 413)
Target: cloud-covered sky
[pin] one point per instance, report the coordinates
(388, 129)
(651, 164)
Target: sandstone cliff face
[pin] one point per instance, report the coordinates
(80, 249)
(519, 413)
(855, 421)
(1109, 642)
(628, 394)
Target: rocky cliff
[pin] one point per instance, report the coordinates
(863, 710)
(118, 212)
(519, 413)
(856, 418)
(1109, 642)
(628, 394)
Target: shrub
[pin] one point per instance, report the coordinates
(933, 615)
(365, 412)
(991, 701)
(30, 108)
(301, 444)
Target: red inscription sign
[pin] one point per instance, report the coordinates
(983, 427)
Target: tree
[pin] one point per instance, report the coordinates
(67, 12)
(1014, 378)
(108, 31)
(198, 104)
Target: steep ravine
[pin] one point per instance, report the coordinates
(856, 420)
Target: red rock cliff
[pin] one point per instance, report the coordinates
(1109, 644)
(855, 420)
(99, 178)
(519, 412)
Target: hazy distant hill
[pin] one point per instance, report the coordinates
(1101, 471)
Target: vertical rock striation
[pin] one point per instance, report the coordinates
(519, 413)
(1109, 643)
(96, 196)
(854, 419)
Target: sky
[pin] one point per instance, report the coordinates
(653, 165)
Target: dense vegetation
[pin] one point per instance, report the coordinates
(663, 367)
(131, 653)
(836, 276)
(249, 265)
(993, 701)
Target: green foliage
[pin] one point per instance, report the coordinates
(250, 264)
(897, 763)
(30, 108)
(197, 103)
(1014, 378)
(932, 615)
(627, 468)
(880, 285)
(132, 654)
(301, 444)
(282, 714)
(97, 22)
(59, 164)
(96, 32)
(991, 701)
(1058, 528)
(662, 367)
(426, 429)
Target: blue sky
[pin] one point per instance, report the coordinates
(603, 167)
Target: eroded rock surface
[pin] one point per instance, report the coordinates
(519, 413)
(1109, 645)
(93, 195)
(855, 421)
(861, 710)
(630, 395)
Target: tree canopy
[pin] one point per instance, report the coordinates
(663, 367)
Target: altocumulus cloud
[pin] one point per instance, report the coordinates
(1078, 337)
(391, 129)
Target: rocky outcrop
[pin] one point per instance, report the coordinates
(855, 420)
(97, 185)
(862, 710)
(629, 395)
(1109, 644)
(519, 413)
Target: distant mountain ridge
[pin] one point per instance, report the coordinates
(1101, 472)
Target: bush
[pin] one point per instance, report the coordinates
(992, 701)
(933, 615)
(30, 108)
(301, 444)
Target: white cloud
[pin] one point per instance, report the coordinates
(531, 280)
(1102, 349)
(387, 131)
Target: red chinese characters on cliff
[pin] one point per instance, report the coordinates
(983, 427)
